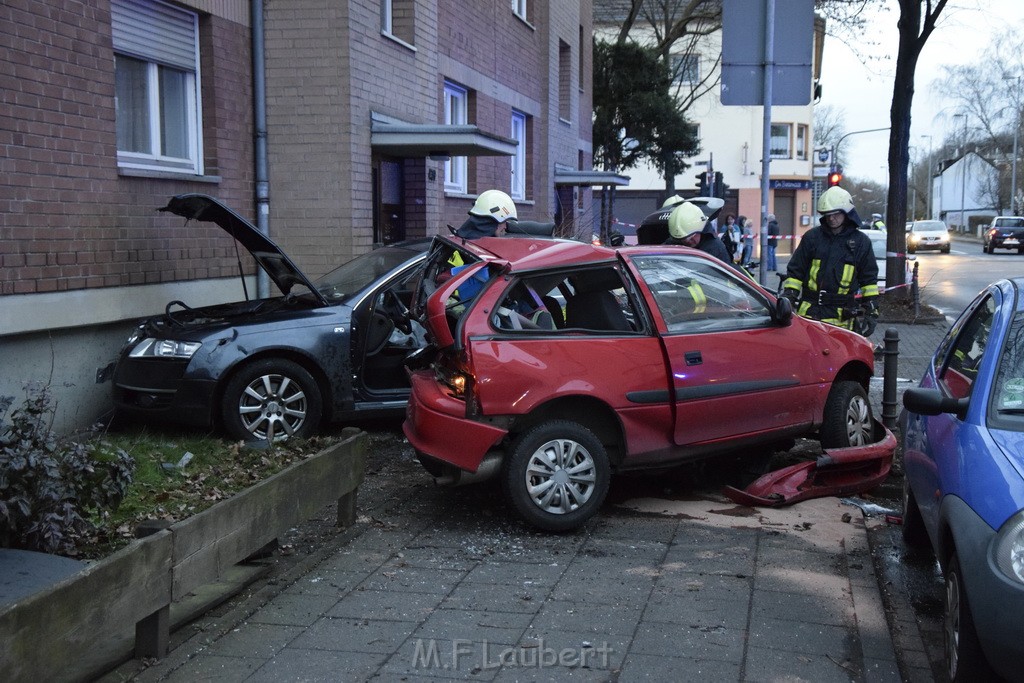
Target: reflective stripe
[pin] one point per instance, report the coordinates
(792, 283)
(812, 279)
(868, 290)
(700, 302)
(847, 278)
(804, 307)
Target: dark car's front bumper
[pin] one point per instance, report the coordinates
(157, 389)
(997, 602)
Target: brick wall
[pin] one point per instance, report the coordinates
(68, 219)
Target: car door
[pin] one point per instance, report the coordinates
(931, 441)
(735, 372)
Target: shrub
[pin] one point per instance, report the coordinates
(52, 488)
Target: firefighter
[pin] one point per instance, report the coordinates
(491, 211)
(832, 262)
(687, 225)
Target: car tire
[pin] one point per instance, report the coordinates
(964, 658)
(556, 475)
(847, 419)
(989, 248)
(914, 533)
(911, 250)
(945, 250)
(271, 400)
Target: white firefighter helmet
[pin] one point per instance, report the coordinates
(835, 199)
(674, 200)
(685, 219)
(496, 204)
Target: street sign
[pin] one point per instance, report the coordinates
(821, 171)
(743, 52)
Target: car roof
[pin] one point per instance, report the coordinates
(537, 254)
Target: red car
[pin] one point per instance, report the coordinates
(553, 364)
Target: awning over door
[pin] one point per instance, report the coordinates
(588, 178)
(402, 139)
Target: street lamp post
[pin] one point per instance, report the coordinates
(1016, 134)
(963, 172)
(928, 200)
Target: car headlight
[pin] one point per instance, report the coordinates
(912, 237)
(1010, 548)
(164, 348)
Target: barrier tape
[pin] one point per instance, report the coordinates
(616, 221)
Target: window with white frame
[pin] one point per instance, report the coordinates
(156, 72)
(780, 141)
(456, 113)
(519, 158)
(398, 20)
(519, 9)
(686, 68)
(802, 149)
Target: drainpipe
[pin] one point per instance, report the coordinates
(259, 103)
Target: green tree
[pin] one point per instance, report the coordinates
(634, 117)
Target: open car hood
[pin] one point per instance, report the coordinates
(268, 255)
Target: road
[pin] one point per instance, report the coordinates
(950, 281)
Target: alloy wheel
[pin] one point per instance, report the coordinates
(272, 407)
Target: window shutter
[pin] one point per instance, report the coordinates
(155, 32)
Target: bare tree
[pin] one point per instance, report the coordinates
(829, 127)
(916, 23)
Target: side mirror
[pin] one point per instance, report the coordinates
(931, 402)
(783, 313)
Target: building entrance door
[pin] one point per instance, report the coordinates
(388, 207)
(785, 213)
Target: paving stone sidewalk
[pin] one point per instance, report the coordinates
(438, 584)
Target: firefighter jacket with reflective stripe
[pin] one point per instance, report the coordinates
(829, 269)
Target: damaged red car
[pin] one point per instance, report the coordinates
(554, 364)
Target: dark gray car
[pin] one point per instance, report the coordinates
(270, 368)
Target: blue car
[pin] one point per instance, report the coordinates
(962, 432)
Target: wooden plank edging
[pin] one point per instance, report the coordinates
(77, 628)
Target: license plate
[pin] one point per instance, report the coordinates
(1010, 241)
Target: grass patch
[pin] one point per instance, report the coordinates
(180, 474)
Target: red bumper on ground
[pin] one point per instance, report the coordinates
(435, 422)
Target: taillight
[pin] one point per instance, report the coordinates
(458, 382)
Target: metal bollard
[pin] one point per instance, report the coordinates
(915, 292)
(890, 353)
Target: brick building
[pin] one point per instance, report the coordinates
(383, 120)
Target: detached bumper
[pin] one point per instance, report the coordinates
(436, 425)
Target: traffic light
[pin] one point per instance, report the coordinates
(702, 184)
(720, 186)
(834, 178)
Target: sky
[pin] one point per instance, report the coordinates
(864, 91)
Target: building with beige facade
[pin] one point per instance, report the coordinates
(731, 139)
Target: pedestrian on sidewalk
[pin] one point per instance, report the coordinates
(773, 241)
(748, 241)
